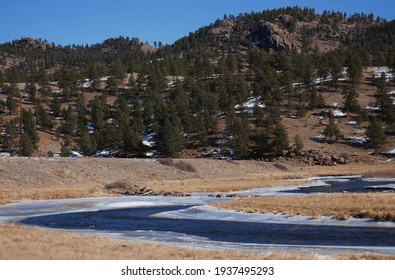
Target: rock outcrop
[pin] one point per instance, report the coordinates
(223, 29)
(275, 38)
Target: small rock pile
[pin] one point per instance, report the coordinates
(313, 157)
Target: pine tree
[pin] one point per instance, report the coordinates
(355, 67)
(86, 143)
(29, 128)
(332, 131)
(350, 97)
(55, 106)
(240, 133)
(297, 144)
(43, 118)
(11, 103)
(27, 146)
(32, 90)
(11, 131)
(376, 135)
(280, 140)
(384, 101)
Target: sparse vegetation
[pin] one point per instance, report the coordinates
(179, 164)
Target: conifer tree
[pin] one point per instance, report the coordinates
(86, 143)
(280, 139)
(376, 135)
(350, 97)
(332, 131)
(240, 133)
(43, 118)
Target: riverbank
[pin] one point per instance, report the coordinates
(56, 178)
(44, 178)
(375, 206)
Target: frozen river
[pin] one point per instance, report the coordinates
(189, 221)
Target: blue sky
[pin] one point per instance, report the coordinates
(92, 21)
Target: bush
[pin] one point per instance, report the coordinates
(182, 165)
(116, 185)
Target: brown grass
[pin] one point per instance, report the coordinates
(71, 178)
(379, 207)
(17, 242)
(365, 257)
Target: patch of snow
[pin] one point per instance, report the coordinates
(372, 108)
(75, 154)
(152, 153)
(358, 140)
(392, 152)
(249, 105)
(5, 154)
(338, 114)
(87, 83)
(352, 123)
(318, 138)
(148, 140)
(378, 179)
(103, 153)
(383, 70)
(381, 187)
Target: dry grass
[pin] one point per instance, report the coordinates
(41, 178)
(17, 242)
(180, 164)
(365, 257)
(379, 207)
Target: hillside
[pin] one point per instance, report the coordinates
(285, 84)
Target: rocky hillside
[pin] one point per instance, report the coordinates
(285, 83)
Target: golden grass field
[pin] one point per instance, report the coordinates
(32, 243)
(42, 178)
(376, 206)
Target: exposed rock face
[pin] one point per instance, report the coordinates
(27, 42)
(286, 34)
(112, 44)
(278, 39)
(223, 29)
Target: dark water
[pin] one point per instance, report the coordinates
(354, 185)
(131, 220)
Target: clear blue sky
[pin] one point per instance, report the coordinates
(92, 21)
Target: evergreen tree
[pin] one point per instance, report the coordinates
(240, 133)
(280, 140)
(169, 139)
(55, 106)
(112, 85)
(31, 89)
(332, 131)
(350, 97)
(11, 103)
(376, 135)
(11, 131)
(29, 128)
(27, 146)
(2, 79)
(355, 67)
(43, 118)
(384, 101)
(297, 144)
(86, 143)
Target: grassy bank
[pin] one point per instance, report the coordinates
(377, 206)
(17, 242)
